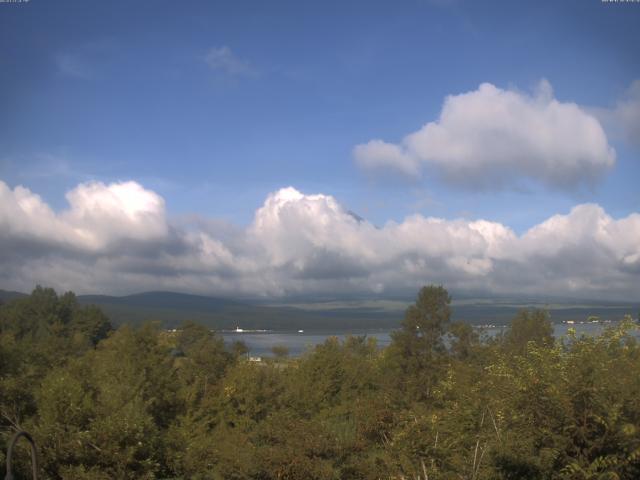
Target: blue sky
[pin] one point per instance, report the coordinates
(212, 106)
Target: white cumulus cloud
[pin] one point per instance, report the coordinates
(492, 138)
(117, 238)
(99, 215)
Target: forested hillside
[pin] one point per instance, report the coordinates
(439, 403)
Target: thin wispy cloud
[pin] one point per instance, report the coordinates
(626, 114)
(621, 119)
(84, 61)
(45, 165)
(224, 60)
(72, 65)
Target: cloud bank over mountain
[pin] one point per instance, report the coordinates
(492, 138)
(118, 238)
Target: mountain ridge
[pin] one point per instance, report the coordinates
(172, 308)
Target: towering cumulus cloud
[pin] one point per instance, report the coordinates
(493, 138)
(117, 238)
(98, 217)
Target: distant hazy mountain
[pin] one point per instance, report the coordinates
(171, 309)
(7, 295)
(173, 300)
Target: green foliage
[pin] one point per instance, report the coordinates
(425, 323)
(529, 326)
(417, 351)
(39, 333)
(438, 403)
(464, 340)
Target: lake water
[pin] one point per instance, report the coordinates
(261, 343)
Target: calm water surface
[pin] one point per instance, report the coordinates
(261, 343)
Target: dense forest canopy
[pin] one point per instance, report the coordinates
(439, 403)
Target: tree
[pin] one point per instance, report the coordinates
(425, 323)
(529, 326)
(417, 349)
(37, 333)
(110, 408)
(463, 339)
(204, 363)
(91, 324)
